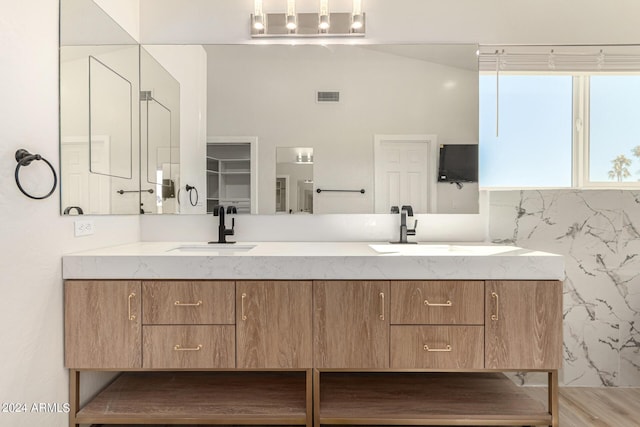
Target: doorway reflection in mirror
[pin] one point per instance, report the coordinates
(294, 180)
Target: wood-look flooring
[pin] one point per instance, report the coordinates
(595, 407)
(588, 407)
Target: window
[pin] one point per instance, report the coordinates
(614, 128)
(533, 144)
(536, 145)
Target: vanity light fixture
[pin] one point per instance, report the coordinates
(323, 23)
(304, 159)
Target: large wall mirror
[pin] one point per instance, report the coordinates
(365, 121)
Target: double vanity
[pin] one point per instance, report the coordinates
(312, 333)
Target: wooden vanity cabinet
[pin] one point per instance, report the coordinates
(103, 327)
(313, 352)
(273, 324)
(351, 324)
(523, 324)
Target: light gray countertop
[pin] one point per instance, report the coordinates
(313, 260)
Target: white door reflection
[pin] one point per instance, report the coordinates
(294, 180)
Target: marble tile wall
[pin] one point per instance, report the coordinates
(598, 232)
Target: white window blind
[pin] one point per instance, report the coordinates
(559, 58)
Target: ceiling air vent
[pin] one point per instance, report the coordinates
(322, 97)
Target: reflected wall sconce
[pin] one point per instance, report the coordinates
(324, 23)
(304, 159)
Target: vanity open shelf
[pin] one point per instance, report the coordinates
(273, 398)
(415, 398)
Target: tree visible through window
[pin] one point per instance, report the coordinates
(614, 133)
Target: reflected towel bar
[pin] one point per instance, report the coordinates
(361, 191)
(150, 191)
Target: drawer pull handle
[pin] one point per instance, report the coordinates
(131, 296)
(381, 305)
(178, 347)
(187, 304)
(495, 316)
(426, 348)
(244, 316)
(436, 304)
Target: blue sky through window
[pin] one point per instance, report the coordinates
(533, 148)
(614, 125)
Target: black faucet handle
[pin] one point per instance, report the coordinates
(230, 231)
(395, 210)
(407, 208)
(412, 232)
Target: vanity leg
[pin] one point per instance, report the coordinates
(316, 398)
(309, 376)
(74, 396)
(554, 406)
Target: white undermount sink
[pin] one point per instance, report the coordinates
(440, 250)
(214, 247)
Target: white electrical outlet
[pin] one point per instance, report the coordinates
(83, 227)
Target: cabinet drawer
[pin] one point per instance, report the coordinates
(188, 303)
(437, 347)
(201, 346)
(437, 302)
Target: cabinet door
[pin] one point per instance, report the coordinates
(523, 324)
(351, 324)
(273, 324)
(102, 324)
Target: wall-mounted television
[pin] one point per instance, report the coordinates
(458, 163)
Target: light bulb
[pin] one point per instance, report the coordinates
(356, 22)
(356, 15)
(258, 16)
(324, 15)
(258, 23)
(291, 15)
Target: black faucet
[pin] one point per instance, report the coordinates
(405, 210)
(223, 231)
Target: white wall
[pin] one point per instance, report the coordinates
(125, 12)
(318, 228)
(33, 235)
(487, 21)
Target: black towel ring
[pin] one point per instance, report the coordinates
(24, 158)
(191, 188)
